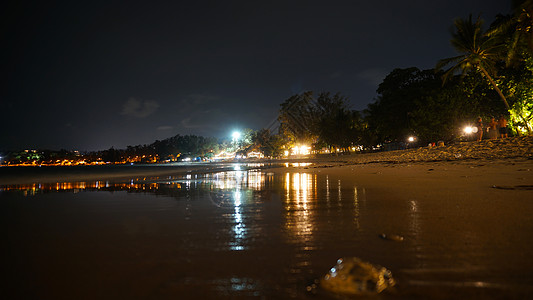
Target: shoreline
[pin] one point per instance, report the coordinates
(51, 174)
(500, 152)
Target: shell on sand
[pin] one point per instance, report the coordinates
(353, 276)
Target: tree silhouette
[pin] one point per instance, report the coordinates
(479, 52)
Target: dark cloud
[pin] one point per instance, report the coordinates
(138, 108)
(373, 76)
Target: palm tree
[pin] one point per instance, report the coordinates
(524, 20)
(517, 29)
(479, 52)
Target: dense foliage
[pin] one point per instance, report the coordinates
(325, 121)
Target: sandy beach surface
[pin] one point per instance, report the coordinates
(464, 212)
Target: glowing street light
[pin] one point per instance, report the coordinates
(236, 135)
(470, 129)
(301, 150)
(411, 141)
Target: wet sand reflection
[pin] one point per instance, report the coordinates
(300, 207)
(236, 233)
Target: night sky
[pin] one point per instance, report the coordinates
(85, 75)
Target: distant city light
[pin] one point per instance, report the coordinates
(411, 139)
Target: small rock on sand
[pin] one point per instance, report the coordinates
(353, 276)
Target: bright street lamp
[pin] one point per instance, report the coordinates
(236, 135)
(470, 129)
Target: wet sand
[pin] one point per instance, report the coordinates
(467, 228)
(477, 214)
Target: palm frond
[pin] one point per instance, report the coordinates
(467, 35)
(446, 61)
(502, 26)
(461, 65)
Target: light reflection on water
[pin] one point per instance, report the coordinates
(240, 227)
(227, 189)
(300, 206)
(241, 204)
(255, 233)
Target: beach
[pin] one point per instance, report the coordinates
(271, 229)
(468, 223)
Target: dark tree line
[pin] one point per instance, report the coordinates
(410, 102)
(325, 121)
(173, 148)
